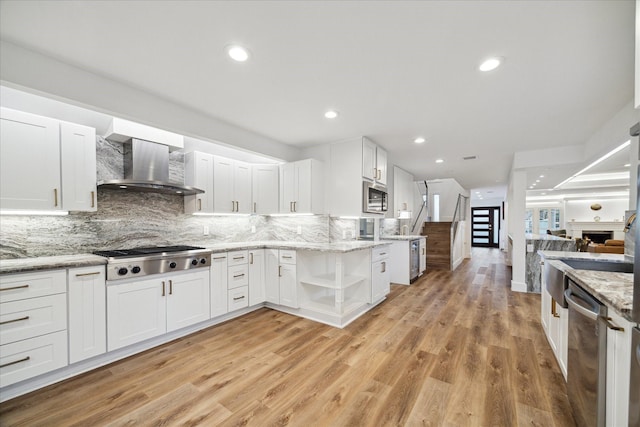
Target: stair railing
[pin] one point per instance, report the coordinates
(460, 214)
(424, 207)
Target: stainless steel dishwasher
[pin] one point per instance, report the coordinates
(587, 361)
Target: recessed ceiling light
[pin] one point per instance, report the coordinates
(439, 161)
(490, 64)
(331, 114)
(531, 187)
(544, 194)
(627, 165)
(238, 53)
(541, 176)
(419, 140)
(537, 180)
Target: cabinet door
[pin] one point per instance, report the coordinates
(135, 311)
(618, 371)
(29, 161)
(78, 155)
(242, 187)
(199, 173)
(223, 201)
(265, 189)
(272, 279)
(381, 165)
(304, 189)
(87, 313)
(288, 188)
(256, 276)
(380, 285)
(218, 284)
(187, 299)
(423, 255)
(369, 170)
(288, 286)
(545, 308)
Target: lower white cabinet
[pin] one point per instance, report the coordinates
(219, 289)
(238, 298)
(380, 275)
(256, 276)
(281, 286)
(555, 322)
(140, 310)
(87, 313)
(618, 370)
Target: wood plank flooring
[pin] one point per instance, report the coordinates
(453, 349)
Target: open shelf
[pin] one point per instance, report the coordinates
(326, 304)
(329, 281)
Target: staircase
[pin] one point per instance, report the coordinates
(438, 245)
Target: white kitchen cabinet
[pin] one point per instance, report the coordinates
(380, 275)
(140, 310)
(46, 164)
(265, 189)
(219, 291)
(281, 285)
(555, 322)
(256, 276)
(238, 280)
(198, 172)
(87, 313)
(301, 187)
(402, 191)
(374, 162)
(78, 155)
(188, 299)
(33, 324)
(618, 370)
(238, 298)
(231, 186)
(423, 255)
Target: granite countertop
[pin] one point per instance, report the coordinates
(50, 262)
(529, 236)
(613, 289)
(398, 237)
(81, 260)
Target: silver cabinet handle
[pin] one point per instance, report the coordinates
(55, 197)
(220, 257)
(93, 199)
(568, 296)
(255, 207)
(14, 287)
(238, 275)
(290, 206)
(287, 256)
(14, 320)
(279, 271)
(295, 206)
(238, 257)
(87, 274)
(250, 257)
(382, 253)
(199, 204)
(15, 362)
(170, 287)
(611, 325)
(238, 298)
(384, 267)
(163, 290)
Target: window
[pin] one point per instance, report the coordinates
(528, 221)
(436, 207)
(539, 220)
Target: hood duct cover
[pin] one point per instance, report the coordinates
(146, 168)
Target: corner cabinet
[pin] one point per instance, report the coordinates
(301, 187)
(46, 164)
(198, 172)
(231, 186)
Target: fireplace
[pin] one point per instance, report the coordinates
(597, 236)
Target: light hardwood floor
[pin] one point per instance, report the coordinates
(453, 349)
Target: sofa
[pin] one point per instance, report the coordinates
(610, 246)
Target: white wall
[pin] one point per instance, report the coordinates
(516, 198)
(448, 189)
(579, 210)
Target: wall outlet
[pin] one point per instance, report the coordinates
(530, 248)
(299, 229)
(205, 230)
(253, 228)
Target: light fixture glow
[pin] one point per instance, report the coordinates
(30, 212)
(419, 140)
(601, 159)
(627, 165)
(123, 186)
(331, 114)
(537, 180)
(541, 176)
(490, 64)
(439, 161)
(238, 53)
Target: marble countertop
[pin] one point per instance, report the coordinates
(398, 237)
(49, 263)
(529, 236)
(613, 289)
(20, 265)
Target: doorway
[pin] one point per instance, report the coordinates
(485, 227)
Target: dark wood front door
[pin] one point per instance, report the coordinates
(485, 227)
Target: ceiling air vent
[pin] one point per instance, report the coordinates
(470, 158)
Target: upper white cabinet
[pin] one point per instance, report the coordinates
(46, 164)
(301, 187)
(231, 186)
(374, 162)
(265, 189)
(345, 178)
(402, 191)
(198, 172)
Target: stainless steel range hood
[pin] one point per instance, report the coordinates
(146, 168)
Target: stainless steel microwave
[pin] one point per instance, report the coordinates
(374, 198)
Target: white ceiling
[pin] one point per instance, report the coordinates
(394, 70)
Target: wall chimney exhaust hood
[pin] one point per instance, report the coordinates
(146, 163)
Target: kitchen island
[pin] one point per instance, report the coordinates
(542, 242)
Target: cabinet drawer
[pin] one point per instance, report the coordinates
(35, 356)
(378, 254)
(287, 257)
(238, 257)
(238, 298)
(32, 317)
(238, 276)
(15, 287)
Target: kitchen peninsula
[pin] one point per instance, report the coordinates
(542, 242)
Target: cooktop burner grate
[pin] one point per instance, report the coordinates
(145, 251)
